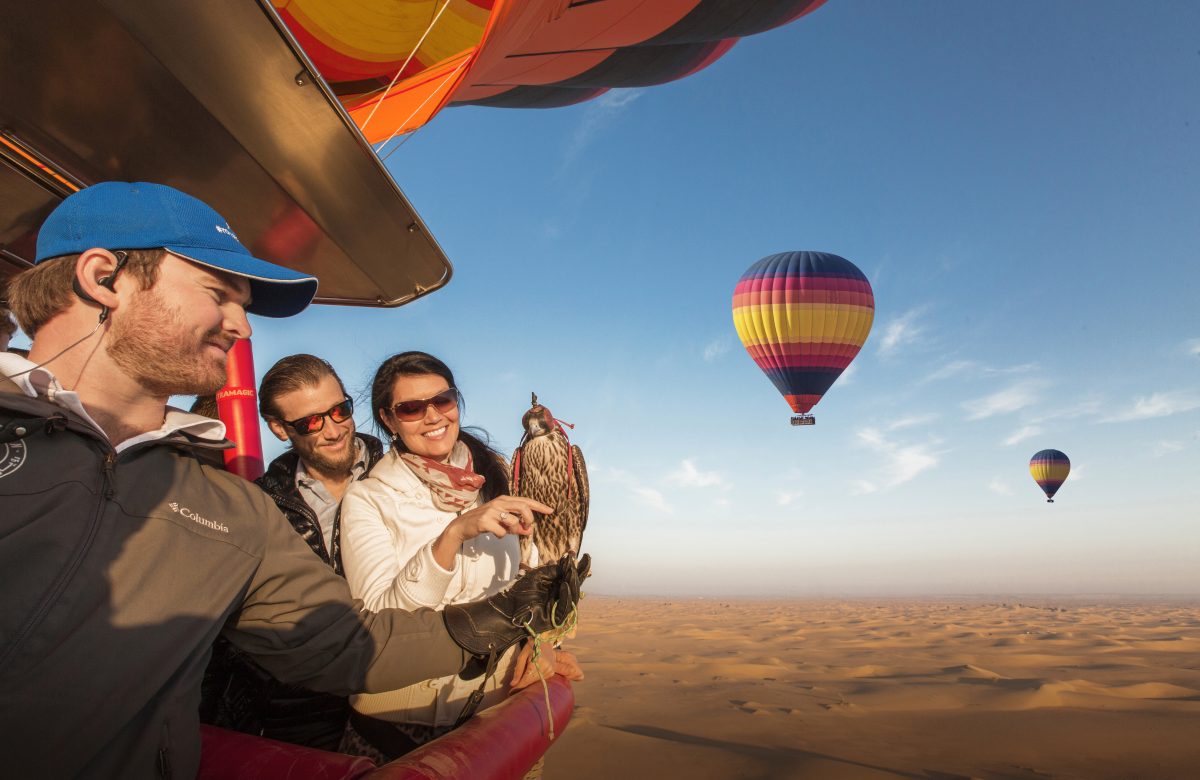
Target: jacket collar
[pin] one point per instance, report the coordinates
(280, 476)
(34, 381)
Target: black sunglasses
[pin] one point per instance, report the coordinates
(315, 422)
(409, 411)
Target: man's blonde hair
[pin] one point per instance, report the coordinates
(40, 293)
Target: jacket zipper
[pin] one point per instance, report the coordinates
(56, 589)
(304, 509)
(164, 752)
(300, 506)
(109, 478)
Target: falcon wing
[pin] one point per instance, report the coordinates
(581, 486)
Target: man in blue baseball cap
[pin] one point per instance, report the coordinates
(151, 258)
(126, 548)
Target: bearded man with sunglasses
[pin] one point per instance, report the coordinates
(304, 403)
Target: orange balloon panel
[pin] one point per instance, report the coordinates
(511, 53)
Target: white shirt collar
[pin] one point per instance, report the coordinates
(38, 382)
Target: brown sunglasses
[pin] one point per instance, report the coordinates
(410, 411)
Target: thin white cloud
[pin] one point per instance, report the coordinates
(911, 421)
(999, 487)
(598, 115)
(687, 475)
(872, 437)
(863, 487)
(974, 369)
(651, 498)
(901, 462)
(716, 348)
(901, 331)
(908, 462)
(643, 494)
(1157, 405)
(1089, 406)
(1011, 399)
(1021, 434)
(1021, 368)
(1192, 346)
(951, 369)
(1167, 448)
(846, 376)
(787, 497)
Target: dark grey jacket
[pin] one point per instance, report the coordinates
(119, 571)
(237, 693)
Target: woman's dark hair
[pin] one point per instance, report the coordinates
(487, 460)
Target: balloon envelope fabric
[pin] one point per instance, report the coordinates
(803, 316)
(395, 63)
(1049, 469)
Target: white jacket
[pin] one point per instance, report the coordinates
(389, 524)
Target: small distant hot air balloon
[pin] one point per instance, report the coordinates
(803, 316)
(1050, 469)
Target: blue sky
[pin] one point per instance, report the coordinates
(1019, 182)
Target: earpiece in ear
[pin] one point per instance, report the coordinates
(79, 291)
(108, 282)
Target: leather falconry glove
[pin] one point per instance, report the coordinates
(538, 602)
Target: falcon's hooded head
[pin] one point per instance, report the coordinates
(537, 421)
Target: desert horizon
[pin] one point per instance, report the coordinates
(1009, 686)
(1095, 598)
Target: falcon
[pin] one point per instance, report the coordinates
(548, 468)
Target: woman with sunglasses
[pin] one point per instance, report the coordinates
(432, 525)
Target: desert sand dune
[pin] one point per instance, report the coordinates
(705, 688)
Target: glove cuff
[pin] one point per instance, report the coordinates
(480, 628)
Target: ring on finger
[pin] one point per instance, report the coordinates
(503, 516)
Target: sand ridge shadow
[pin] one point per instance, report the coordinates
(778, 760)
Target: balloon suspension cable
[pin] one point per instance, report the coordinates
(396, 78)
(396, 132)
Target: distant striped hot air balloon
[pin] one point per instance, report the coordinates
(803, 316)
(1050, 469)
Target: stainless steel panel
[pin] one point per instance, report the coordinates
(214, 98)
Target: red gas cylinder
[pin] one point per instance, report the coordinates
(237, 406)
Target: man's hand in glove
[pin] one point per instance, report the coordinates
(540, 601)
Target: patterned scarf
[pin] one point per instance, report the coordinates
(453, 488)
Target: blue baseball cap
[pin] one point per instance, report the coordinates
(139, 215)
